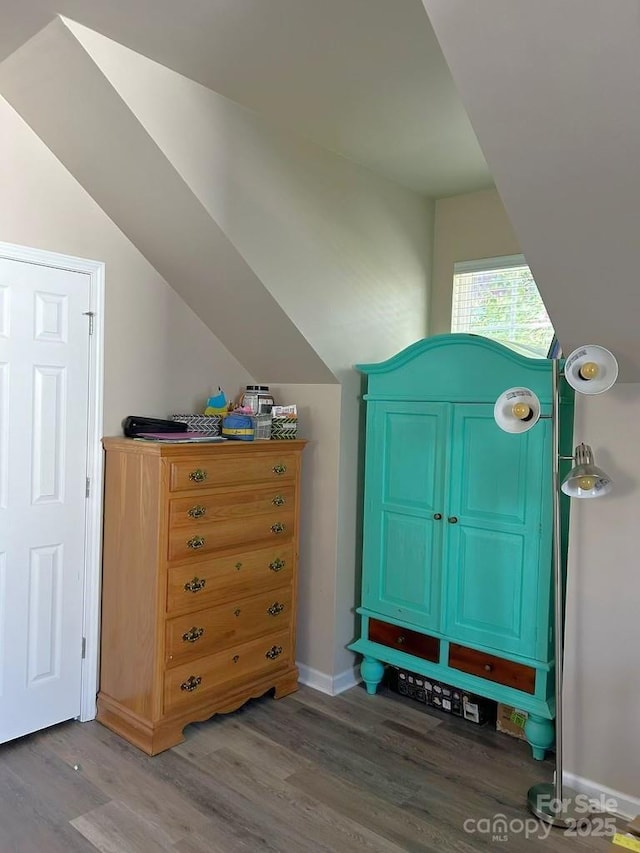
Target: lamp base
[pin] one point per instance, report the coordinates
(572, 811)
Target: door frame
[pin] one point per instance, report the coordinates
(93, 518)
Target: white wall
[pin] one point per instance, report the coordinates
(467, 227)
(602, 684)
(319, 423)
(602, 692)
(159, 357)
(551, 90)
(346, 253)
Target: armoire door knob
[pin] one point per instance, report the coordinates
(452, 519)
(437, 516)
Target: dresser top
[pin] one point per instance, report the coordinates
(199, 448)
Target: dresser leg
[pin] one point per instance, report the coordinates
(540, 734)
(371, 671)
(286, 685)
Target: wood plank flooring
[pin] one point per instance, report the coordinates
(306, 774)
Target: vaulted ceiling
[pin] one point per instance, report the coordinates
(548, 88)
(363, 78)
(552, 90)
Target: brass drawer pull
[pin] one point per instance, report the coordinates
(488, 667)
(195, 585)
(196, 542)
(278, 527)
(275, 609)
(237, 611)
(191, 683)
(197, 511)
(401, 640)
(279, 469)
(236, 658)
(238, 566)
(192, 635)
(277, 565)
(279, 500)
(274, 652)
(198, 476)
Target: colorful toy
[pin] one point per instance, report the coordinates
(217, 405)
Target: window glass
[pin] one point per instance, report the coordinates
(498, 298)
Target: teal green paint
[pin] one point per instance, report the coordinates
(405, 488)
(540, 734)
(433, 448)
(500, 494)
(455, 368)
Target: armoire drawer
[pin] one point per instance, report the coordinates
(220, 471)
(493, 668)
(185, 684)
(205, 631)
(193, 542)
(223, 506)
(411, 642)
(196, 586)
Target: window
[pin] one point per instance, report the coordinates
(498, 298)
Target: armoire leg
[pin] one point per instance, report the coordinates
(540, 734)
(371, 671)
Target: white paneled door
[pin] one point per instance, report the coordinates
(44, 375)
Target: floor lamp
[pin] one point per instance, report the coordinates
(588, 370)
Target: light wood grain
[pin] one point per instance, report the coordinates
(222, 505)
(275, 525)
(231, 575)
(297, 776)
(187, 630)
(196, 634)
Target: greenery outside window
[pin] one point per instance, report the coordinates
(498, 298)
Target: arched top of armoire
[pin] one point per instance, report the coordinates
(458, 368)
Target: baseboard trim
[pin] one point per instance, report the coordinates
(346, 680)
(627, 806)
(331, 685)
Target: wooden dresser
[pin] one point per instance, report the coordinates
(199, 582)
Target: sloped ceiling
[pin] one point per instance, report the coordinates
(552, 92)
(62, 94)
(299, 261)
(364, 78)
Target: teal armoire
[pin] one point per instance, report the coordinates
(457, 548)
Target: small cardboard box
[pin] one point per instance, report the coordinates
(510, 721)
(634, 826)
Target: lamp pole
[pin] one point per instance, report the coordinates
(546, 799)
(589, 369)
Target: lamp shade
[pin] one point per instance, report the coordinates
(591, 369)
(517, 410)
(585, 480)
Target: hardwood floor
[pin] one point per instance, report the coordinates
(305, 774)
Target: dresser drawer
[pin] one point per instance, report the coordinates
(206, 631)
(238, 503)
(211, 471)
(493, 668)
(197, 586)
(188, 683)
(411, 642)
(191, 543)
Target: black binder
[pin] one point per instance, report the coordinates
(135, 424)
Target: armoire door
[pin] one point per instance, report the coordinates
(498, 493)
(404, 510)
